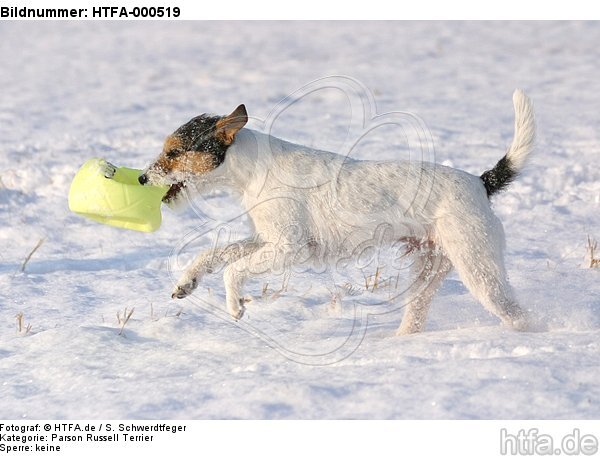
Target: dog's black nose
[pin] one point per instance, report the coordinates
(143, 179)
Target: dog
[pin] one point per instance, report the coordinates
(306, 205)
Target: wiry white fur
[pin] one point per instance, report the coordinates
(524, 137)
(311, 205)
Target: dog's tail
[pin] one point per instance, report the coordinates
(509, 166)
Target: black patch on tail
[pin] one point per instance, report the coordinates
(497, 179)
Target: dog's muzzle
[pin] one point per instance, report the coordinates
(143, 179)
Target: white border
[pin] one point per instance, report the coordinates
(365, 10)
(348, 438)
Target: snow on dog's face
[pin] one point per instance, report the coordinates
(194, 150)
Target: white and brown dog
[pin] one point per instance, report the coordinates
(314, 204)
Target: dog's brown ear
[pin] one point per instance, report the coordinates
(228, 126)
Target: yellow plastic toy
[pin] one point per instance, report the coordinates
(107, 194)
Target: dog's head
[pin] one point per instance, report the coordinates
(194, 150)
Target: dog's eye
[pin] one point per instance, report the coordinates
(173, 153)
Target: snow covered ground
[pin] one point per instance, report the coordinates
(71, 91)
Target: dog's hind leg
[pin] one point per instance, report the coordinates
(428, 271)
(475, 245)
(211, 260)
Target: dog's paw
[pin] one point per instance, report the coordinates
(529, 323)
(407, 331)
(409, 326)
(183, 290)
(237, 311)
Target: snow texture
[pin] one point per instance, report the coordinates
(316, 344)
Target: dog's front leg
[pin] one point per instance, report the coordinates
(264, 260)
(210, 261)
(234, 281)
